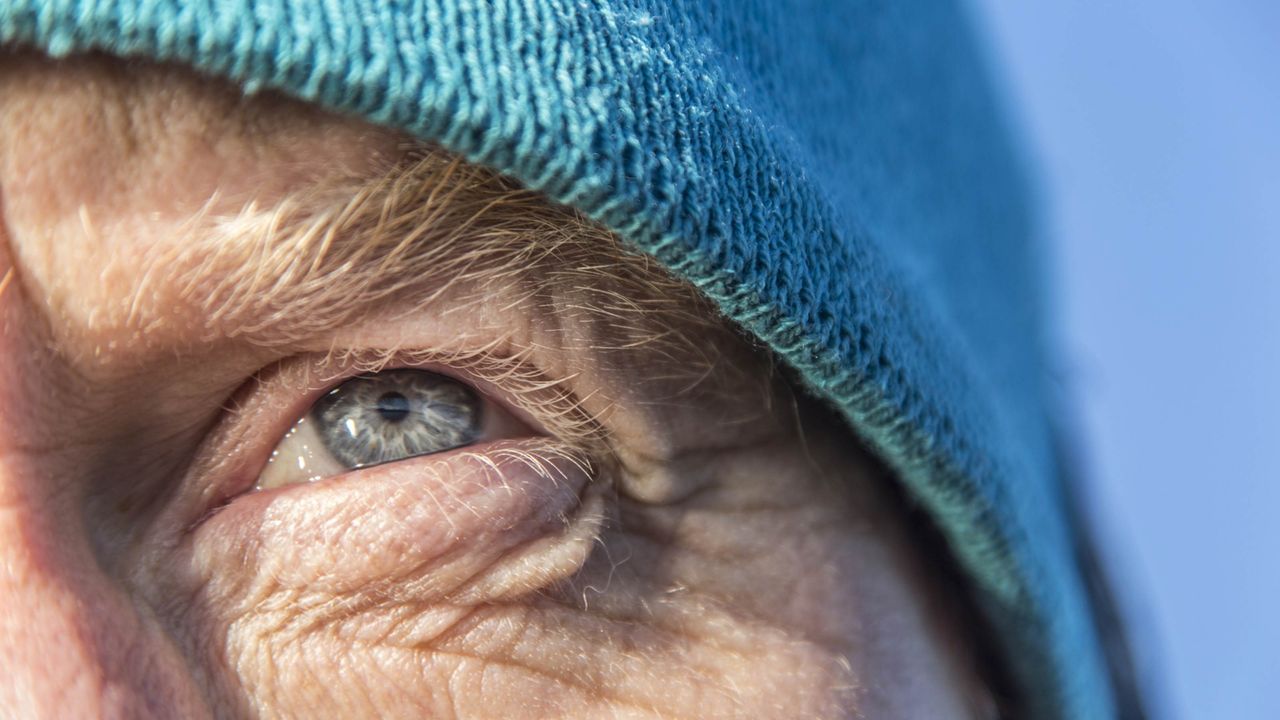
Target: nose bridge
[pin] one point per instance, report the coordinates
(72, 644)
(53, 620)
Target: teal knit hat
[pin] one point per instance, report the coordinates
(833, 174)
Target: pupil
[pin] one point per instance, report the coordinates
(393, 407)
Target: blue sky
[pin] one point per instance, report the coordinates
(1157, 129)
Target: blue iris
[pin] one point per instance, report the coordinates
(396, 414)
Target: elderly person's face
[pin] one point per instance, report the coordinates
(300, 420)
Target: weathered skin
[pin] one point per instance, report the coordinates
(730, 552)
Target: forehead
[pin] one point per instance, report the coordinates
(127, 130)
(120, 184)
(101, 164)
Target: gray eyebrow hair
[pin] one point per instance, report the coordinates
(323, 257)
(295, 273)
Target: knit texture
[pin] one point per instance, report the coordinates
(833, 174)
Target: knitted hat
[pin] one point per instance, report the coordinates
(834, 175)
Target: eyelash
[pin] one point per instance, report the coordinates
(285, 391)
(544, 404)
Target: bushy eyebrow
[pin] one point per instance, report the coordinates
(297, 273)
(323, 257)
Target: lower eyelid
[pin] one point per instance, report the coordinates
(376, 523)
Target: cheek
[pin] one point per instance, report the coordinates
(521, 590)
(292, 594)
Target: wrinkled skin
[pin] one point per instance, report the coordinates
(731, 554)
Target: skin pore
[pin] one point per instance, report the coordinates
(661, 529)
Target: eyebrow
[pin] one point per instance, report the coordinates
(324, 257)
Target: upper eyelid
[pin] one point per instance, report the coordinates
(259, 413)
(512, 380)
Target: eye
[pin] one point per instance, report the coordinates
(383, 417)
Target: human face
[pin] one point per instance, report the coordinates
(631, 515)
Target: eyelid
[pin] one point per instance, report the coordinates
(438, 505)
(545, 404)
(268, 406)
(303, 456)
